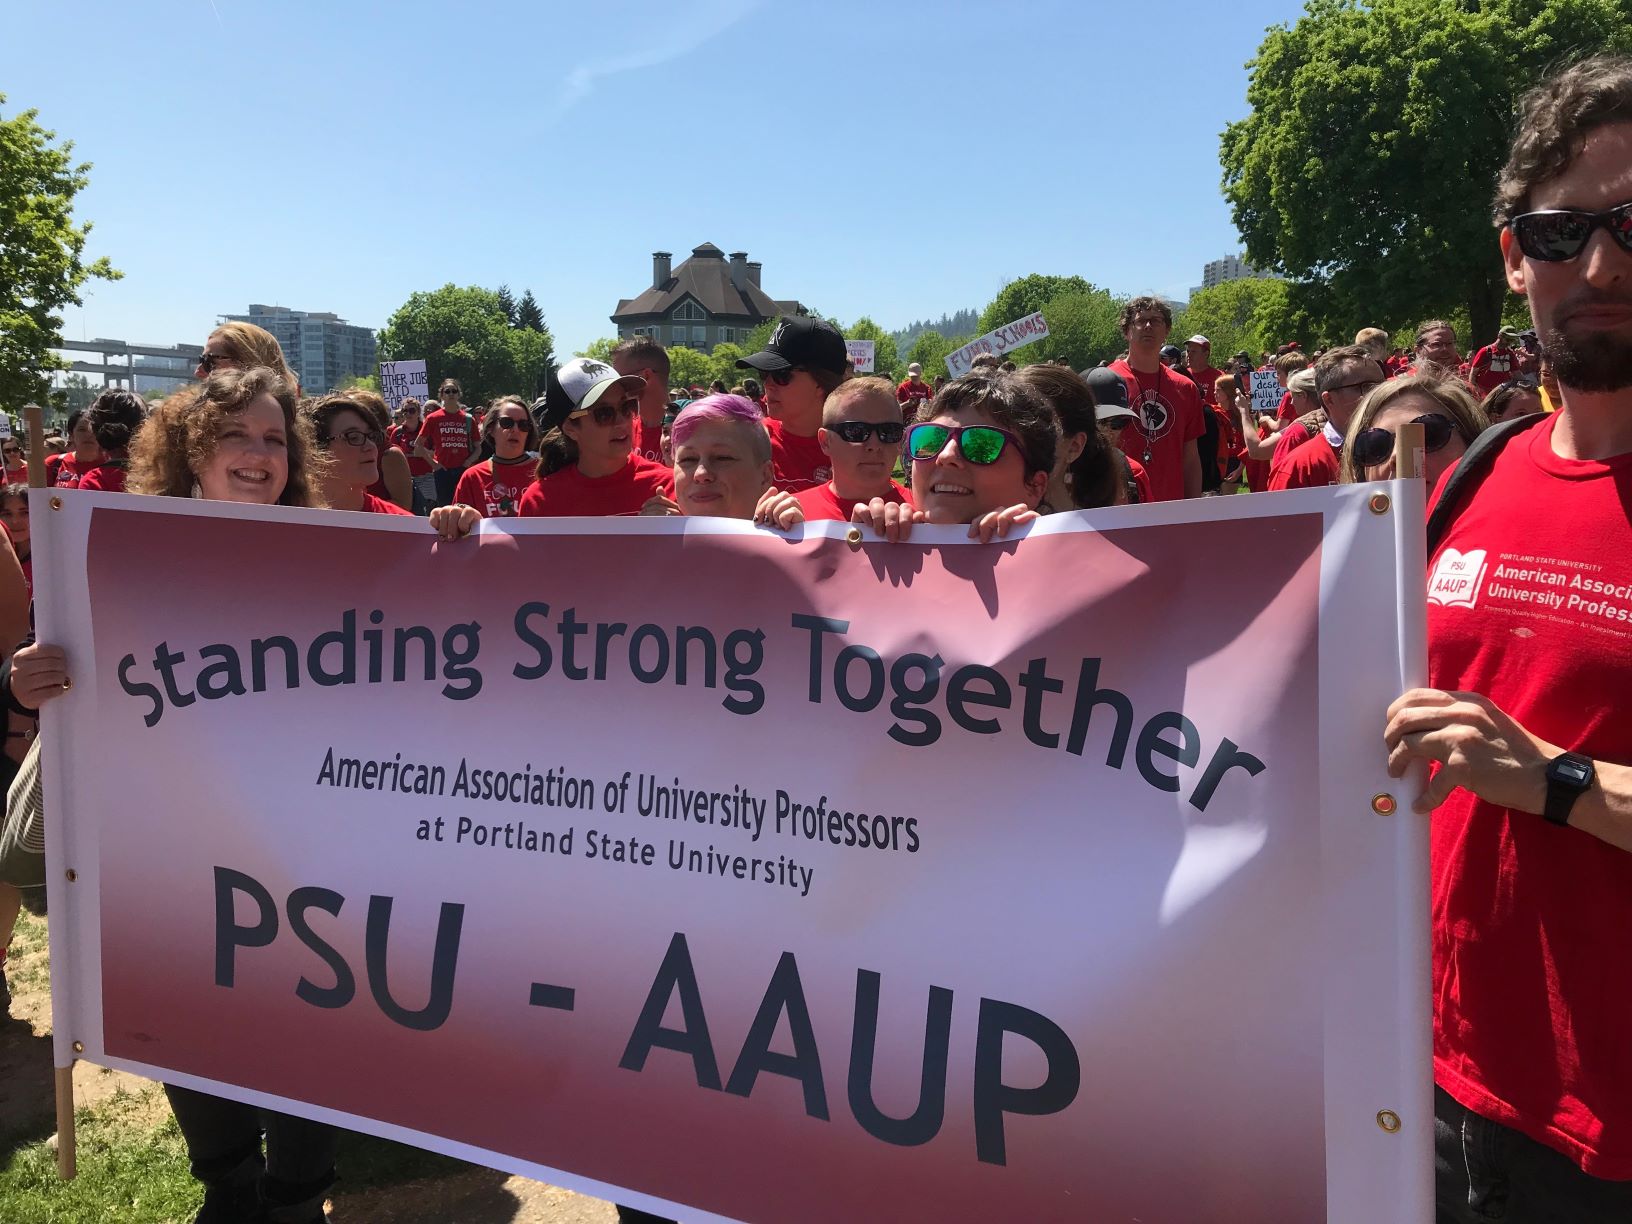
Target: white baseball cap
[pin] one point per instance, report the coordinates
(585, 380)
(1199, 339)
(915, 368)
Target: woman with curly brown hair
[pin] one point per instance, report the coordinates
(237, 437)
(354, 441)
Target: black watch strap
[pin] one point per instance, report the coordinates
(1569, 776)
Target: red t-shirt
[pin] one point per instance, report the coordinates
(1287, 441)
(910, 394)
(1312, 464)
(1206, 380)
(1258, 469)
(649, 441)
(105, 478)
(17, 475)
(823, 502)
(1530, 603)
(570, 494)
(495, 488)
(1170, 411)
(1141, 478)
(1284, 411)
(800, 463)
(1491, 367)
(63, 471)
(378, 505)
(399, 438)
(449, 436)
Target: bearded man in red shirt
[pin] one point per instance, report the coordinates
(1530, 659)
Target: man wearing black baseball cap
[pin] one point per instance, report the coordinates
(803, 362)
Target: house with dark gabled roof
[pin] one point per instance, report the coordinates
(706, 301)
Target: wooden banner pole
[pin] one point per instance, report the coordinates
(1408, 452)
(34, 422)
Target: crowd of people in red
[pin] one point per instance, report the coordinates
(1528, 451)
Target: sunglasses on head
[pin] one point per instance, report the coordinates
(360, 437)
(1372, 447)
(889, 432)
(1558, 234)
(981, 445)
(511, 423)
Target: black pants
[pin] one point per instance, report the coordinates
(224, 1145)
(447, 480)
(1485, 1171)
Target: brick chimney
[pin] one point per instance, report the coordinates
(739, 270)
(660, 268)
(753, 275)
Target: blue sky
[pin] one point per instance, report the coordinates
(890, 160)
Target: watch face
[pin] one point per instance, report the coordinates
(1573, 771)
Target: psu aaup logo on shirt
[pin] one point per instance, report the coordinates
(1457, 578)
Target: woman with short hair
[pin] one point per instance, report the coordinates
(351, 437)
(64, 469)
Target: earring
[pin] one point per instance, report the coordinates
(1068, 478)
(197, 491)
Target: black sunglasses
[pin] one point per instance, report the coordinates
(1372, 447)
(606, 414)
(781, 377)
(209, 361)
(510, 423)
(889, 432)
(1558, 234)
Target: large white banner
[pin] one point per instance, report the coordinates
(1010, 336)
(1055, 879)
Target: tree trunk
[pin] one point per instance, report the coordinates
(1485, 303)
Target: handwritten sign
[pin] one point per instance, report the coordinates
(401, 379)
(1005, 339)
(1266, 391)
(861, 355)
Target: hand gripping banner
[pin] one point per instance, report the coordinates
(764, 877)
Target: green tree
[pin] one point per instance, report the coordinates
(1377, 130)
(42, 266)
(1025, 296)
(930, 349)
(689, 368)
(1240, 314)
(528, 315)
(759, 337)
(463, 333)
(885, 357)
(77, 392)
(599, 350)
(1082, 329)
(360, 382)
(724, 360)
(507, 303)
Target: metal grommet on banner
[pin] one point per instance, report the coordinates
(853, 537)
(72, 875)
(79, 1047)
(1389, 1121)
(1379, 503)
(1384, 805)
(56, 503)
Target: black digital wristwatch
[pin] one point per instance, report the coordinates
(1569, 776)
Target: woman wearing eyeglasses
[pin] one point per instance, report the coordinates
(587, 464)
(348, 433)
(236, 438)
(114, 417)
(493, 487)
(64, 471)
(1450, 418)
(981, 455)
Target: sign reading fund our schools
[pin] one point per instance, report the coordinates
(926, 881)
(1010, 336)
(401, 379)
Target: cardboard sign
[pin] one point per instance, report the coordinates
(401, 379)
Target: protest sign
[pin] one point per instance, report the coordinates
(1266, 391)
(401, 379)
(1005, 339)
(926, 885)
(861, 355)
